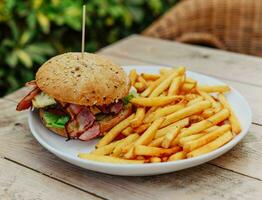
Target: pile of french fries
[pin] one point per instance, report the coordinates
(174, 118)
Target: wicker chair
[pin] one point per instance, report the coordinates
(234, 25)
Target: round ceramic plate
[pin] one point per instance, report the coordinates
(68, 150)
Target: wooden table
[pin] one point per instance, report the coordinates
(28, 171)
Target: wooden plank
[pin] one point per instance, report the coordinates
(222, 64)
(252, 93)
(18, 183)
(200, 182)
(18, 94)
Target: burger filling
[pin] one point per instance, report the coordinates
(79, 121)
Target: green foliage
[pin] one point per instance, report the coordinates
(32, 31)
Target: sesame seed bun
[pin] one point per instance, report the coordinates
(93, 80)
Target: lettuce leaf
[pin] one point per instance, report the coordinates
(43, 100)
(55, 121)
(130, 96)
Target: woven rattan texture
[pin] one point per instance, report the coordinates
(234, 25)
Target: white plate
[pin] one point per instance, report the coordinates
(68, 150)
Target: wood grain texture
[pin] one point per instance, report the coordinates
(252, 93)
(203, 182)
(20, 183)
(18, 94)
(222, 64)
(235, 175)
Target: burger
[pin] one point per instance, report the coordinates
(79, 96)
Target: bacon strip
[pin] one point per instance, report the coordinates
(26, 102)
(112, 108)
(116, 107)
(80, 123)
(74, 110)
(90, 133)
(85, 119)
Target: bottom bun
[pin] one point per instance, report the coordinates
(105, 125)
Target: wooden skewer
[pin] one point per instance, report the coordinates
(83, 30)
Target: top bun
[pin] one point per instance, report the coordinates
(91, 80)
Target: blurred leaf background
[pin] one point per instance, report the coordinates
(31, 31)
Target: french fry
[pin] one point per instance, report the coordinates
(182, 123)
(195, 118)
(156, 142)
(216, 88)
(181, 71)
(154, 151)
(185, 112)
(146, 137)
(196, 100)
(132, 76)
(208, 113)
(190, 80)
(153, 101)
(141, 128)
(187, 139)
(150, 111)
(170, 136)
(236, 128)
(105, 150)
(155, 160)
(192, 96)
(204, 124)
(152, 86)
(216, 106)
(166, 82)
(149, 118)
(141, 80)
(161, 112)
(192, 145)
(126, 141)
(151, 77)
(108, 159)
(140, 87)
(206, 96)
(139, 117)
(175, 85)
(111, 135)
(127, 148)
(163, 85)
(149, 134)
(186, 87)
(211, 129)
(149, 114)
(215, 144)
(177, 156)
(127, 131)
